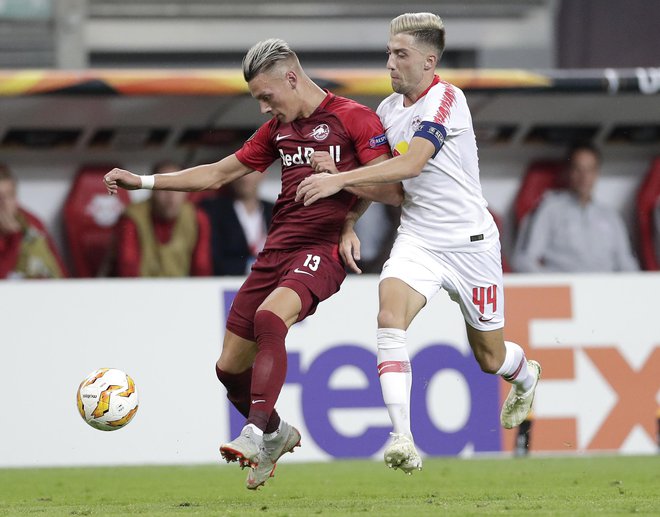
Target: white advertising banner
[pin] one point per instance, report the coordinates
(594, 336)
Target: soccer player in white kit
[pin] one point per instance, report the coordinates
(447, 239)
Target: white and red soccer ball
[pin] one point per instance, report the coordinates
(107, 399)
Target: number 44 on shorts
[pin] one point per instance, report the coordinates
(482, 296)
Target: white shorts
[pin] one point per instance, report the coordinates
(473, 280)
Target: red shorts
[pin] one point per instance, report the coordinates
(314, 273)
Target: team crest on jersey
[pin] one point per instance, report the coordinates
(320, 132)
(416, 121)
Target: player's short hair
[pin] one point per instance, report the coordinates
(264, 55)
(426, 28)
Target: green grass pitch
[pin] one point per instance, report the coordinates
(540, 486)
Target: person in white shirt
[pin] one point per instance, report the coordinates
(570, 231)
(447, 239)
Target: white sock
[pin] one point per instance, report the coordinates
(395, 376)
(515, 369)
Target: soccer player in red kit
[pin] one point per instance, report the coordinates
(300, 264)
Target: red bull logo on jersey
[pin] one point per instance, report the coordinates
(304, 155)
(320, 132)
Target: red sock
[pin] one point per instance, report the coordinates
(238, 393)
(269, 369)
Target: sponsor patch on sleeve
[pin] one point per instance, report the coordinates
(433, 132)
(377, 141)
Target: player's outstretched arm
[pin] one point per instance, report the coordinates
(201, 177)
(401, 167)
(390, 193)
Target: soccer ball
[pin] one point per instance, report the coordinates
(107, 399)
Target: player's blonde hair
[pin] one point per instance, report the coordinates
(426, 28)
(263, 56)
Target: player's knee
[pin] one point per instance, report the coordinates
(266, 321)
(231, 365)
(235, 358)
(487, 362)
(387, 319)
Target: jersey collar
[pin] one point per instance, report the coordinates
(436, 80)
(328, 97)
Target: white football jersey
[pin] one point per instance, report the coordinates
(443, 208)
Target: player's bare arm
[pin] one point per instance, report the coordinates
(390, 194)
(201, 177)
(401, 167)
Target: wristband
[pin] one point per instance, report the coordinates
(147, 182)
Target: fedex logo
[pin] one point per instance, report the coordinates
(600, 388)
(304, 154)
(601, 380)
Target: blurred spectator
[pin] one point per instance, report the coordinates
(164, 236)
(656, 229)
(376, 230)
(26, 249)
(569, 231)
(239, 223)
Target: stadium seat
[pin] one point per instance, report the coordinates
(90, 215)
(647, 196)
(540, 176)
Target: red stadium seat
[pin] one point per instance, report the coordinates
(90, 215)
(540, 176)
(647, 196)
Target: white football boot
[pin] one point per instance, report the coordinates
(401, 453)
(286, 439)
(518, 405)
(244, 449)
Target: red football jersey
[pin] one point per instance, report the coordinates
(349, 131)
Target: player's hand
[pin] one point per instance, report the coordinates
(318, 186)
(119, 178)
(321, 161)
(349, 249)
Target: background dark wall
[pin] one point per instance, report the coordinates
(608, 33)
